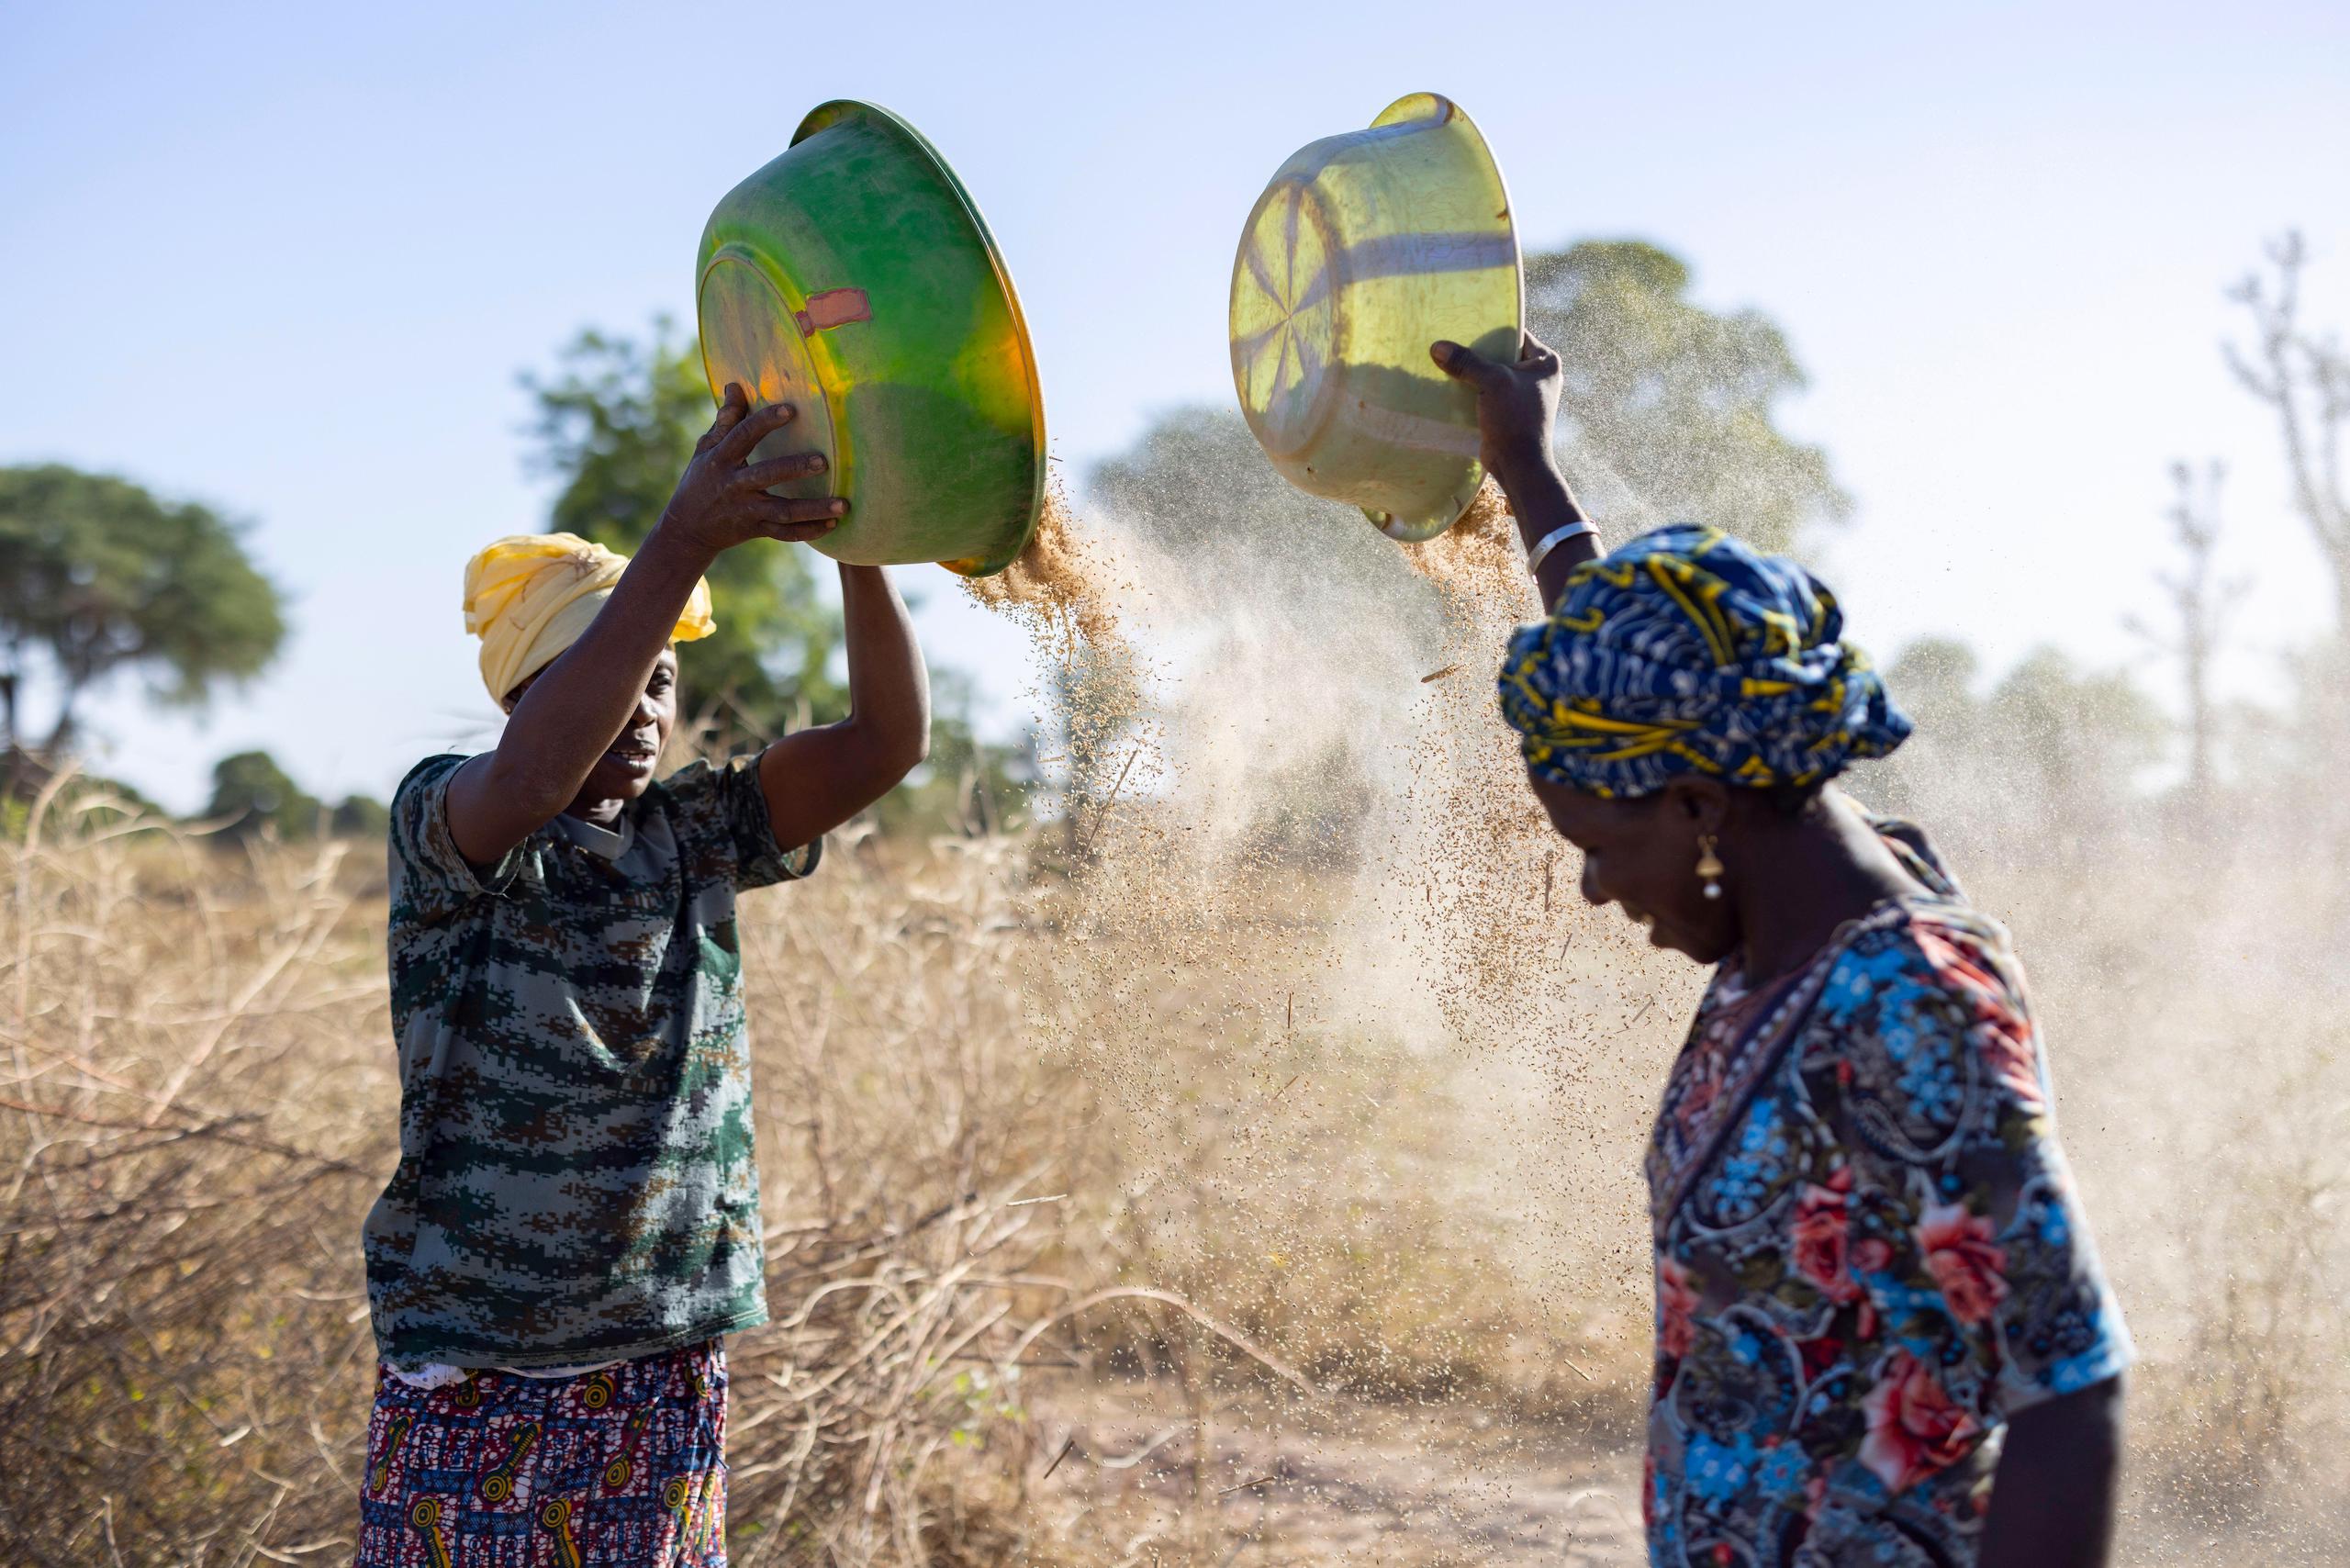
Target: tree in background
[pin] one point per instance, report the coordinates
(2306, 379)
(2078, 738)
(1671, 405)
(2199, 603)
(616, 423)
(360, 817)
(1668, 411)
(250, 792)
(2049, 755)
(97, 576)
(1196, 484)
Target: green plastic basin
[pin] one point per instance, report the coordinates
(854, 278)
(1365, 249)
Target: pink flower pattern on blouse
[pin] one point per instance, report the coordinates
(1869, 1253)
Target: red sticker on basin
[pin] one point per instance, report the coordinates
(832, 308)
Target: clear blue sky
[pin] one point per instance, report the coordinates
(288, 260)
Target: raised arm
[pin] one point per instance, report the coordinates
(816, 779)
(1516, 406)
(578, 706)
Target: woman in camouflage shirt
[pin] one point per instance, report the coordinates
(574, 1222)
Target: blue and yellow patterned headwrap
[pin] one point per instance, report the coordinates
(1684, 651)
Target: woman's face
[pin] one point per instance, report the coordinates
(1643, 854)
(625, 770)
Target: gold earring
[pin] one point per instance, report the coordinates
(1709, 866)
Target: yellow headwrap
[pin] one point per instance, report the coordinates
(530, 596)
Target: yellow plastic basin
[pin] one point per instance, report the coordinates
(1366, 248)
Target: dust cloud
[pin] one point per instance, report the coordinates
(1382, 1073)
(1382, 1077)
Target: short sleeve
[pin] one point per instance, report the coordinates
(1969, 1235)
(723, 819)
(431, 879)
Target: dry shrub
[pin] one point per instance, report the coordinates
(2253, 1411)
(1050, 1163)
(915, 1164)
(2194, 1006)
(193, 1039)
(199, 1105)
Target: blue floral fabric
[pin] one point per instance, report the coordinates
(1687, 651)
(1869, 1251)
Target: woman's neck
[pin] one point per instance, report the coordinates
(1801, 881)
(597, 814)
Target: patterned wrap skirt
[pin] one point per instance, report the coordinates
(622, 1467)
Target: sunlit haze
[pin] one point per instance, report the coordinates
(289, 261)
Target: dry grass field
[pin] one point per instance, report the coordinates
(1182, 1203)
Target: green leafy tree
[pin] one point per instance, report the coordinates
(1197, 484)
(362, 817)
(2050, 753)
(1668, 413)
(98, 577)
(253, 792)
(616, 423)
(2078, 737)
(1669, 409)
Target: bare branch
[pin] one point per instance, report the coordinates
(2304, 377)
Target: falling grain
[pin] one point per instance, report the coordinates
(1061, 583)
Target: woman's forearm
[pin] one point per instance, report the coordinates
(889, 686)
(1542, 502)
(576, 708)
(2053, 1499)
(818, 778)
(1517, 410)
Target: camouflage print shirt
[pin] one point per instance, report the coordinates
(576, 1179)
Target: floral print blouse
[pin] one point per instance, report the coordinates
(1869, 1252)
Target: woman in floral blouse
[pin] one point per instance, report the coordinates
(1883, 1336)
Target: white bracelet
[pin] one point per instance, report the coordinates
(1552, 540)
